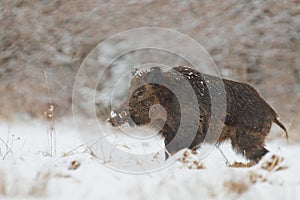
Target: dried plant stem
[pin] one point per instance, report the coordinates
(225, 158)
(51, 135)
(49, 114)
(86, 146)
(8, 149)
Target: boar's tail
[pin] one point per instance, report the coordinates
(276, 120)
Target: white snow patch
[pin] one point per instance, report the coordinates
(27, 172)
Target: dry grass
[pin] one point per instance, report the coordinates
(16, 187)
(242, 165)
(3, 189)
(238, 187)
(74, 165)
(254, 177)
(275, 163)
(40, 185)
(190, 160)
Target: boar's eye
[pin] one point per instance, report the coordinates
(139, 93)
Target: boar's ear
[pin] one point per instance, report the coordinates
(154, 75)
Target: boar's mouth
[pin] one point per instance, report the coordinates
(114, 121)
(119, 118)
(155, 117)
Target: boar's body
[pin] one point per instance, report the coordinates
(248, 118)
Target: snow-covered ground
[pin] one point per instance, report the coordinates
(28, 172)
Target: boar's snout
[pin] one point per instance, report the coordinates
(119, 118)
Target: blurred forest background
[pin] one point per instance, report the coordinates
(250, 40)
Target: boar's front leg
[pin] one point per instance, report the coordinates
(172, 146)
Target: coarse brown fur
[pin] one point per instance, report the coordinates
(247, 121)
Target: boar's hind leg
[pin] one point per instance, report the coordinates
(250, 144)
